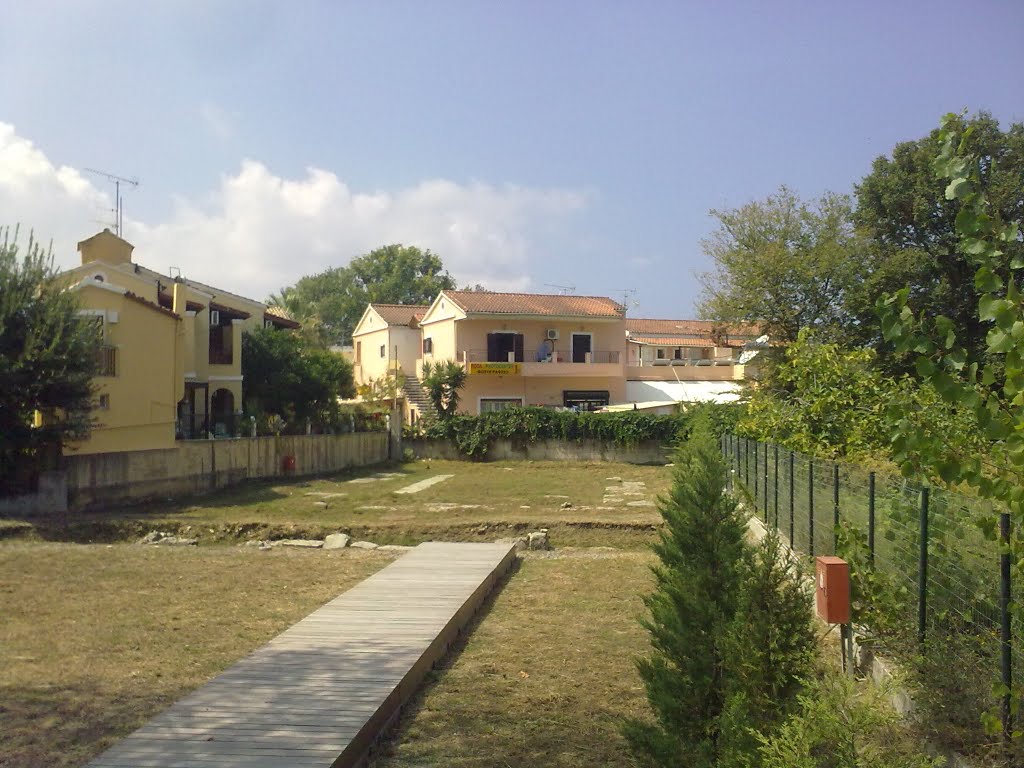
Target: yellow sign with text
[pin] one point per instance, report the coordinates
(496, 369)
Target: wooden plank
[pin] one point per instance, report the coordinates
(320, 693)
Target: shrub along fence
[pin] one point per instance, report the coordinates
(931, 581)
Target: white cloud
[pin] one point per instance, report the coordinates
(257, 231)
(56, 203)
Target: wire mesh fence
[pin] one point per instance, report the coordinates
(930, 587)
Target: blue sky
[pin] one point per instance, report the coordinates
(527, 143)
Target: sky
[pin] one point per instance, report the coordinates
(533, 145)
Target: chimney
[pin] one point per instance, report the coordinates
(107, 247)
(179, 305)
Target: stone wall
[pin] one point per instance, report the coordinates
(198, 466)
(648, 452)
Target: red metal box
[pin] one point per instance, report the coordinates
(832, 589)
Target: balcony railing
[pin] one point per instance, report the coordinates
(106, 360)
(691, 361)
(552, 356)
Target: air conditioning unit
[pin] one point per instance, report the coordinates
(553, 334)
(214, 317)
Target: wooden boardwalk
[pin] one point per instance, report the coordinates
(321, 692)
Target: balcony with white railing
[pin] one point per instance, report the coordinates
(559, 362)
(685, 369)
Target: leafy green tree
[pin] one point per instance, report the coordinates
(443, 381)
(48, 356)
(782, 263)
(331, 302)
(903, 211)
(285, 375)
(990, 390)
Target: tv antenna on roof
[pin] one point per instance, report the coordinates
(563, 290)
(629, 297)
(119, 202)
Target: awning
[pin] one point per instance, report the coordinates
(683, 391)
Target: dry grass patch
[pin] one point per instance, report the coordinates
(546, 676)
(98, 639)
(488, 497)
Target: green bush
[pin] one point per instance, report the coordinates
(473, 435)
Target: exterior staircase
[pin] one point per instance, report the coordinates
(416, 395)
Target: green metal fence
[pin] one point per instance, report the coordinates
(928, 576)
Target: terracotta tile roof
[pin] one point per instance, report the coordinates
(280, 317)
(686, 327)
(489, 303)
(672, 341)
(400, 314)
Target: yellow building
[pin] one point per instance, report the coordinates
(196, 370)
(387, 339)
(529, 349)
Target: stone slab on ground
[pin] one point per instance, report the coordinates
(422, 485)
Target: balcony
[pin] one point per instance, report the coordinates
(718, 369)
(600, 363)
(106, 360)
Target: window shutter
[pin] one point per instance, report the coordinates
(492, 348)
(518, 347)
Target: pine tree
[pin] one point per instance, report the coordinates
(769, 651)
(730, 627)
(702, 553)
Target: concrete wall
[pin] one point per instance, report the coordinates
(52, 496)
(648, 452)
(192, 467)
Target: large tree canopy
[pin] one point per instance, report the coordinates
(47, 360)
(903, 211)
(284, 375)
(331, 303)
(782, 263)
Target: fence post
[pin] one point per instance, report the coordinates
(835, 506)
(756, 444)
(792, 501)
(736, 450)
(765, 486)
(746, 463)
(1005, 628)
(922, 570)
(871, 518)
(775, 487)
(810, 507)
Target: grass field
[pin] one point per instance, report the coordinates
(478, 502)
(546, 676)
(97, 639)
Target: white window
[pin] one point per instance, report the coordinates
(428, 346)
(661, 353)
(104, 403)
(494, 404)
(383, 350)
